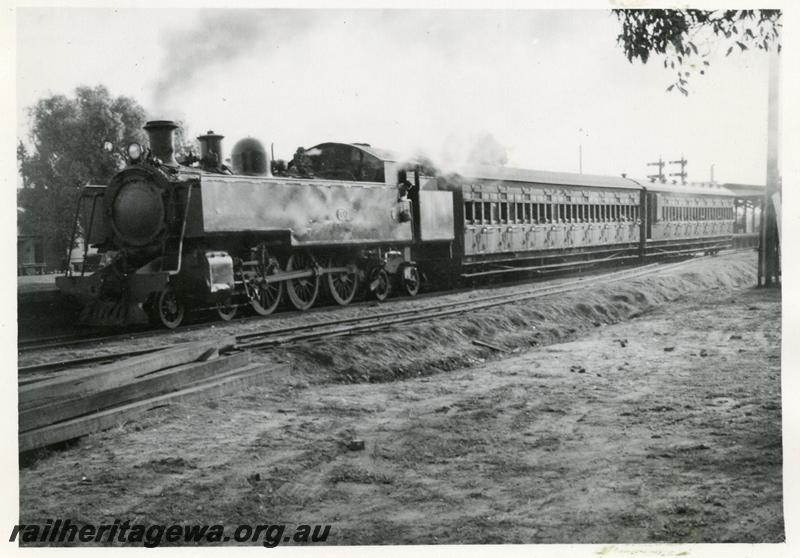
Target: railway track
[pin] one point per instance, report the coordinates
(273, 337)
(27, 346)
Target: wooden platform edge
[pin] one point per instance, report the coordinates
(250, 375)
(150, 385)
(117, 373)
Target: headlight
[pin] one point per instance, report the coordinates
(135, 152)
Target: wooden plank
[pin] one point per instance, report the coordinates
(480, 343)
(251, 375)
(117, 373)
(150, 385)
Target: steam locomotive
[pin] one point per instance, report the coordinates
(345, 218)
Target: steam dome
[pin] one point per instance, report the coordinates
(249, 157)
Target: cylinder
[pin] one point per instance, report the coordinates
(160, 133)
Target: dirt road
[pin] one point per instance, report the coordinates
(662, 427)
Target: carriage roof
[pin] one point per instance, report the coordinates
(691, 188)
(510, 174)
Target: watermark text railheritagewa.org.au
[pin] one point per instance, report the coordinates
(60, 531)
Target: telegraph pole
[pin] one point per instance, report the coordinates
(769, 248)
(660, 176)
(682, 162)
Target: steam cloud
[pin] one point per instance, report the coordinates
(303, 76)
(220, 38)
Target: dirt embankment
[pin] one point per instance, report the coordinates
(634, 412)
(447, 344)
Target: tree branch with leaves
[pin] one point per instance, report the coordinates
(686, 38)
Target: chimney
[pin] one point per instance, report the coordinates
(211, 149)
(161, 141)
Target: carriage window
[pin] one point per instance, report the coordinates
(468, 213)
(503, 212)
(528, 213)
(478, 212)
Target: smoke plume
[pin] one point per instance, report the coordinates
(220, 38)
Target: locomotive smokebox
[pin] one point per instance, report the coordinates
(210, 149)
(162, 144)
(250, 157)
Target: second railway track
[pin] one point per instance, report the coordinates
(273, 337)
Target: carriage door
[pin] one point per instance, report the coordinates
(652, 212)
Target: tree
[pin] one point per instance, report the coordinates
(65, 153)
(685, 37)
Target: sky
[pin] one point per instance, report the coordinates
(538, 83)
